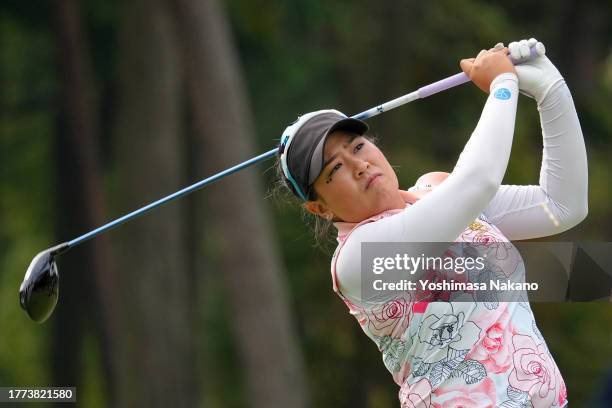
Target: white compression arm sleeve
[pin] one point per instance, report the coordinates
(560, 201)
(444, 213)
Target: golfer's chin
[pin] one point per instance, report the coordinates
(380, 200)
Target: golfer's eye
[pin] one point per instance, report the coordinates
(358, 147)
(333, 170)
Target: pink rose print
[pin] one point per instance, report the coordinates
(419, 307)
(485, 238)
(456, 393)
(394, 309)
(391, 318)
(562, 391)
(433, 295)
(417, 395)
(494, 351)
(533, 372)
(438, 276)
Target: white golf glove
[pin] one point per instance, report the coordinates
(537, 76)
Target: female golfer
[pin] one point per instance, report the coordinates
(450, 354)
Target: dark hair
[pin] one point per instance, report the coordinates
(282, 191)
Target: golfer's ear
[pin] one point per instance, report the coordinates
(316, 208)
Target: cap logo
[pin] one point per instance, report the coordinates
(283, 143)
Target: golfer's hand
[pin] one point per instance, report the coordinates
(537, 76)
(487, 66)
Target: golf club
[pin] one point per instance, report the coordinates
(39, 291)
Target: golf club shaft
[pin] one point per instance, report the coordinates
(171, 197)
(423, 92)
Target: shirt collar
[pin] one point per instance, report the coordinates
(345, 228)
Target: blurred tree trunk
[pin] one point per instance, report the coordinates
(81, 207)
(579, 52)
(157, 339)
(248, 258)
(585, 45)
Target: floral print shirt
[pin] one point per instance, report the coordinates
(479, 353)
(460, 354)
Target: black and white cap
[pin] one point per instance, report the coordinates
(303, 142)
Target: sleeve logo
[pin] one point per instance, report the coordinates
(503, 94)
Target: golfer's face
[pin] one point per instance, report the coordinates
(357, 180)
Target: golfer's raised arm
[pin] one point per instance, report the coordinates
(561, 200)
(445, 212)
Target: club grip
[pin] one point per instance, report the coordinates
(457, 79)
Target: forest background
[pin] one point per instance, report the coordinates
(222, 299)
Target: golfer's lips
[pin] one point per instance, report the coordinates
(371, 179)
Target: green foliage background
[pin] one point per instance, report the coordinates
(299, 56)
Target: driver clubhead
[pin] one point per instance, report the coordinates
(39, 290)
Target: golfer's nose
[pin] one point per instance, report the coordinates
(360, 168)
